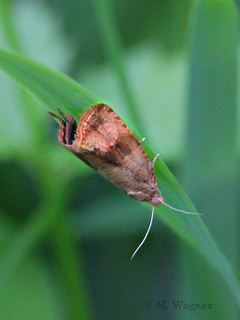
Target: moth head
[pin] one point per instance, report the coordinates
(156, 200)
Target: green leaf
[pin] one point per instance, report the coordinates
(55, 91)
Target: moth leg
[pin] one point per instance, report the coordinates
(155, 160)
(143, 139)
(137, 195)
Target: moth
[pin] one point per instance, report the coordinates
(106, 144)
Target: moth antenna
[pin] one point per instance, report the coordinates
(141, 141)
(167, 205)
(145, 237)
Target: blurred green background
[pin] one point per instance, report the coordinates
(180, 63)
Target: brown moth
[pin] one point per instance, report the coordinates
(106, 144)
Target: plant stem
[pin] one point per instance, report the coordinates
(51, 216)
(113, 48)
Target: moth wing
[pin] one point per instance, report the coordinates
(109, 147)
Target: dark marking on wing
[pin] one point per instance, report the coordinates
(107, 157)
(97, 123)
(123, 148)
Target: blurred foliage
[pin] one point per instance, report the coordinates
(103, 227)
(158, 21)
